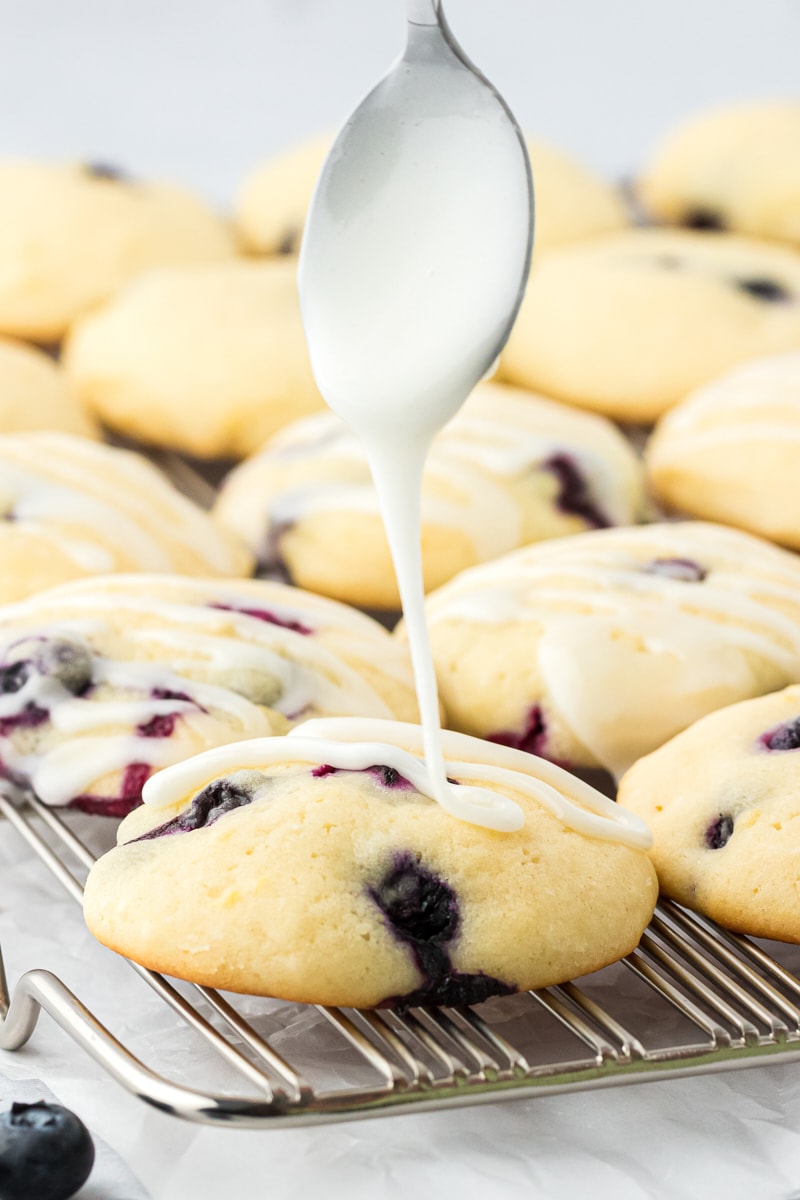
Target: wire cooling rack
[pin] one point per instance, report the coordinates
(713, 1001)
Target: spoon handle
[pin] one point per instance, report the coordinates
(424, 12)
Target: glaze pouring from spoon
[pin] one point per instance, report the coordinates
(412, 269)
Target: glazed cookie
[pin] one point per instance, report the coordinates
(731, 451)
(628, 324)
(732, 168)
(571, 202)
(72, 508)
(315, 868)
(207, 360)
(511, 468)
(594, 650)
(71, 235)
(723, 801)
(34, 394)
(104, 681)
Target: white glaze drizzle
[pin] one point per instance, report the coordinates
(354, 744)
(598, 609)
(195, 637)
(54, 480)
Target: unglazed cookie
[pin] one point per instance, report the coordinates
(312, 868)
(723, 801)
(34, 394)
(594, 650)
(732, 168)
(71, 235)
(628, 324)
(104, 681)
(571, 202)
(510, 469)
(731, 450)
(207, 360)
(71, 507)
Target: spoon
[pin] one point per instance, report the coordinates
(412, 268)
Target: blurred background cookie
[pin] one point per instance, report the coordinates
(106, 680)
(571, 201)
(736, 167)
(34, 394)
(628, 324)
(71, 235)
(71, 507)
(265, 868)
(731, 451)
(595, 649)
(209, 360)
(723, 802)
(510, 469)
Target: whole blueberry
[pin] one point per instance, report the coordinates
(46, 1152)
(785, 737)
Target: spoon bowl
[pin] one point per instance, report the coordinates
(417, 245)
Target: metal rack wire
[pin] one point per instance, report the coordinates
(735, 1004)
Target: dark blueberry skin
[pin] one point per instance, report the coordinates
(421, 910)
(102, 170)
(388, 776)
(764, 289)
(58, 658)
(46, 1152)
(704, 218)
(219, 798)
(785, 737)
(532, 738)
(719, 832)
(163, 725)
(263, 614)
(574, 495)
(290, 242)
(129, 798)
(682, 570)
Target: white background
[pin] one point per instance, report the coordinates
(200, 90)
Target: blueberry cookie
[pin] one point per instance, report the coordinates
(207, 360)
(70, 236)
(571, 202)
(34, 394)
(104, 681)
(593, 650)
(628, 324)
(70, 507)
(734, 168)
(311, 868)
(731, 450)
(723, 802)
(510, 469)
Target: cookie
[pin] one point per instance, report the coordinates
(510, 469)
(34, 394)
(629, 324)
(71, 235)
(104, 681)
(594, 650)
(731, 451)
(207, 360)
(71, 507)
(723, 802)
(735, 168)
(315, 870)
(571, 202)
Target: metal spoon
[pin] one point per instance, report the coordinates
(428, 181)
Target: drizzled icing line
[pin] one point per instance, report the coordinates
(347, 743)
